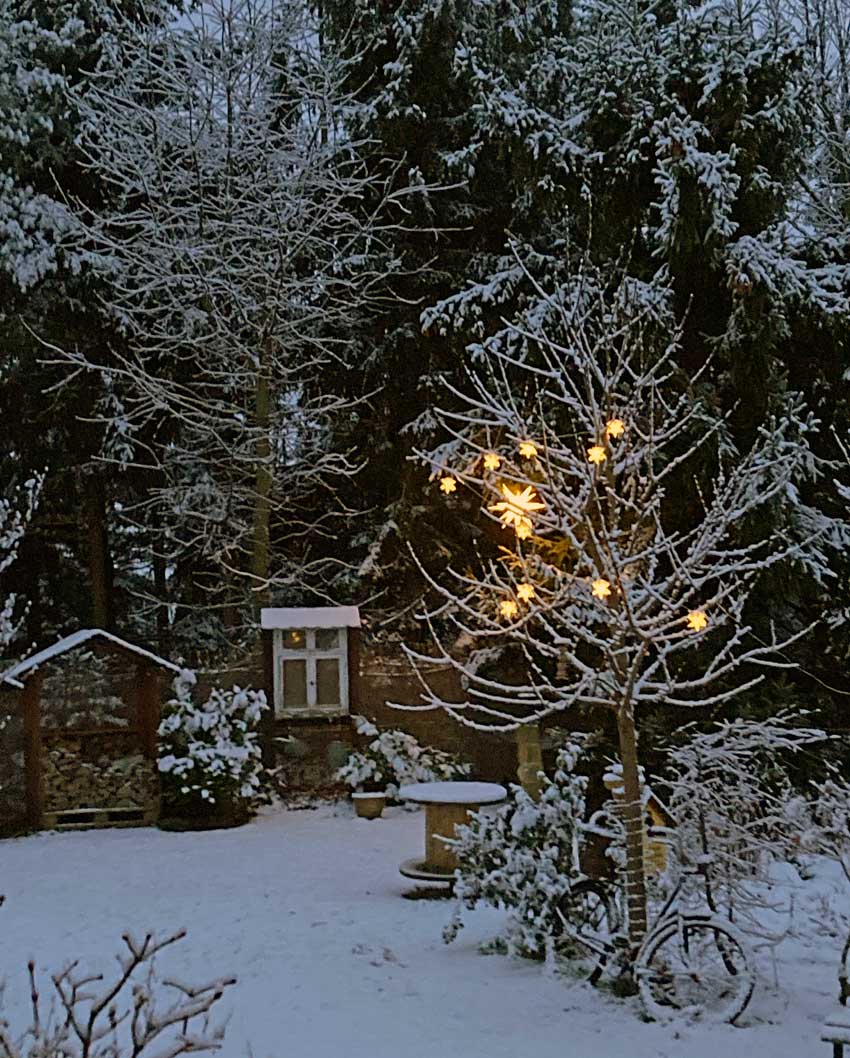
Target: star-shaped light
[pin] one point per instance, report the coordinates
(448, 484)
(525, 592)
(601, 588)
(596, 454)
(523, 529)
(615, 428)
(697, 620)
(508, 608)
(517, 507)
(528, 449)
(492, 461)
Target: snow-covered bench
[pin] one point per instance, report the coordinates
(836, 1030)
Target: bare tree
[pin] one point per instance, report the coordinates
(618, 581)
(242, 241)
(125, 1017)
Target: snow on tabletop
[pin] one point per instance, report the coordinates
(310, 617)
(305, 909)
(83, 635)
(453, 793)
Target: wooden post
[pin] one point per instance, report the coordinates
(529, 759)
(33, 771)
(354, 689)
(267, 723)
(148, 709)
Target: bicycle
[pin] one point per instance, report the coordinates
(689, 962)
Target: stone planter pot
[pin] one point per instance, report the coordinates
(369, 805)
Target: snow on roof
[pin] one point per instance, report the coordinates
(23, 668)
(310, 617)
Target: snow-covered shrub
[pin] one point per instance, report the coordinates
(828, 831)
(731, 793)
(522, 856)
(393, 758)
(210, 752)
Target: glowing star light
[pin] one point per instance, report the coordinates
(492, 461)
(517, 507)
(601, 588)
(528, 449)
(697, 620)
(596, 454)
(508, 608)
(525, 592)
(523, 530)
(448, 485)
(615, 428)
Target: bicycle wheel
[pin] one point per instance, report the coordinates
(695, 966)
(592, 920)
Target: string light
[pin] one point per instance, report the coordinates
(448, 485)
(615, 428)
(697, 620)
(525, 592)
(517, 507)
(528, 449)
(492, 461)
(601, 588)
(596, 454)
(508, 608)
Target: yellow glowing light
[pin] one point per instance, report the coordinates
(508, 608)
(528, 449)
(448, 485)
(492, 461)
(615, 427)
(601, 588)
(517, 507)
(523, 529)
(596, 454)
(697, 620)
(525, 592)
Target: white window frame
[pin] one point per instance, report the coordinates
(310, 654)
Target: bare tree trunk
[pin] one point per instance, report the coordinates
(97, 546)
(632, 811)
(260, 552)
(160, 587)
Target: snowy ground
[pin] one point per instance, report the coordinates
(305, 908)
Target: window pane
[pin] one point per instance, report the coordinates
(294, 639)
(294, 684)
(327, 681)
(327, 638)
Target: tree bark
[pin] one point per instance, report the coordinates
(99, 561)
(160, 588)
(260, 552)
(632, 813)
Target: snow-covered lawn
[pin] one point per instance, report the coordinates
(305, 908)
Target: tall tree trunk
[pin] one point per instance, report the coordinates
(632, 812)
(160, 590)
(260, 550)
(97, 546)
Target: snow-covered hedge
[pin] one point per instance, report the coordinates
(393, 758)
(211, 751)
(521, 856)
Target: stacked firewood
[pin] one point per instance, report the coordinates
(71, 781)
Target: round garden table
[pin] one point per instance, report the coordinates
(446, 805)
